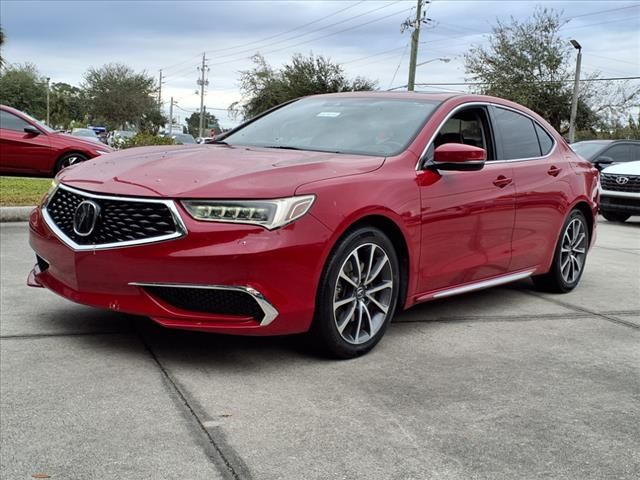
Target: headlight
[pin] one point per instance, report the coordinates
(52, 188)
(270, 214)
(102, 152)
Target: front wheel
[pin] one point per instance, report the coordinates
(569, 258)
(68, 160)
(357, 295)
(615, 216)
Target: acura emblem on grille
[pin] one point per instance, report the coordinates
(85, 217)
(622, 180)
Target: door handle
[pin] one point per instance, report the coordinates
(502, 181)
(554, 171)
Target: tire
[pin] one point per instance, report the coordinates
(68, 160)
(347, 329)
(569, 258)
(615, 216)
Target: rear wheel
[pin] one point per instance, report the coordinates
(569, 258)
(68, 160)
(357, 295)
(615, 216)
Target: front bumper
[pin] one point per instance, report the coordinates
(624, 202)
(279, 269)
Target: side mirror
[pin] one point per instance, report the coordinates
(459, 156)
(32, 130)
(602, 162)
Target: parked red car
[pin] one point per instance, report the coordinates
(327, 214)
(28, 147)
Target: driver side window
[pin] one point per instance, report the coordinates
(9, 121)
(469, 126)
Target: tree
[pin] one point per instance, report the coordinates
(2, 37)
(193, 123)
(528, 62)
(263, 87)
(68, 105)
(118, 96)
(22, 87)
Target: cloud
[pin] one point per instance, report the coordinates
(64, 38)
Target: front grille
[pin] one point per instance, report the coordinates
(118, 221)
(609, 181)
(208, 300)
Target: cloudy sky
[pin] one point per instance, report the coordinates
(64, 38)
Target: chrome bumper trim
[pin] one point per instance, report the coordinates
(270, 313)
(484, 284)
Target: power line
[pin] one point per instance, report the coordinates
(399, 63)
(319, 38)
(586, 80)
(251, 50)
(603, 11)
(242, 57)
(294, 29)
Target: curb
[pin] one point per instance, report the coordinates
(15, 214)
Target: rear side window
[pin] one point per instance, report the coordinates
(518, 135)
(546, 142)
(618, 153)
(8, 121)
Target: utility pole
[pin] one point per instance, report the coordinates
(576, 87)
(48, 109)
(171, 117)
(415, 38)
(203, 83)
(160, 91)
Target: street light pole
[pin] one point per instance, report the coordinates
(171, 116)
(48, 109)
(439, 59)
(574, 100)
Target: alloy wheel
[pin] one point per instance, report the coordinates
(70, 160)
(363, 293)
(573, 251)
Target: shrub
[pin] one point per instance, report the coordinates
(145, 139)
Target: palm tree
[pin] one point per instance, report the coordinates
(1, 42)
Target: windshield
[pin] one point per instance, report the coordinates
(587, 149)
(125, 133)
(363, 126)
(83, 132)
(41, 125)
(184, 138)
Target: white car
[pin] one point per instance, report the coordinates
(620, 191)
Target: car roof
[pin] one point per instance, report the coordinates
(440, 97)
(607, 142)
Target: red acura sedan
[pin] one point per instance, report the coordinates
(28, 147)
(327, 214)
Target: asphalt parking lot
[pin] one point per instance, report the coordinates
(501, 384)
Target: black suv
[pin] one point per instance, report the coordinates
(603, 153)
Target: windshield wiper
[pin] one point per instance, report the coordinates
(283, 147)
(216, 142)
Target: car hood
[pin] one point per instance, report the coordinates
(211, 171)
(66, 139)
(626, 168)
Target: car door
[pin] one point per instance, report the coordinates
(22, 152)
(539, 175)
(467, 217)
(618, 153)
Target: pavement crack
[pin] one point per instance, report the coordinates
(53, 335)
(228, 464)
(498, 318)
(575, 308)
